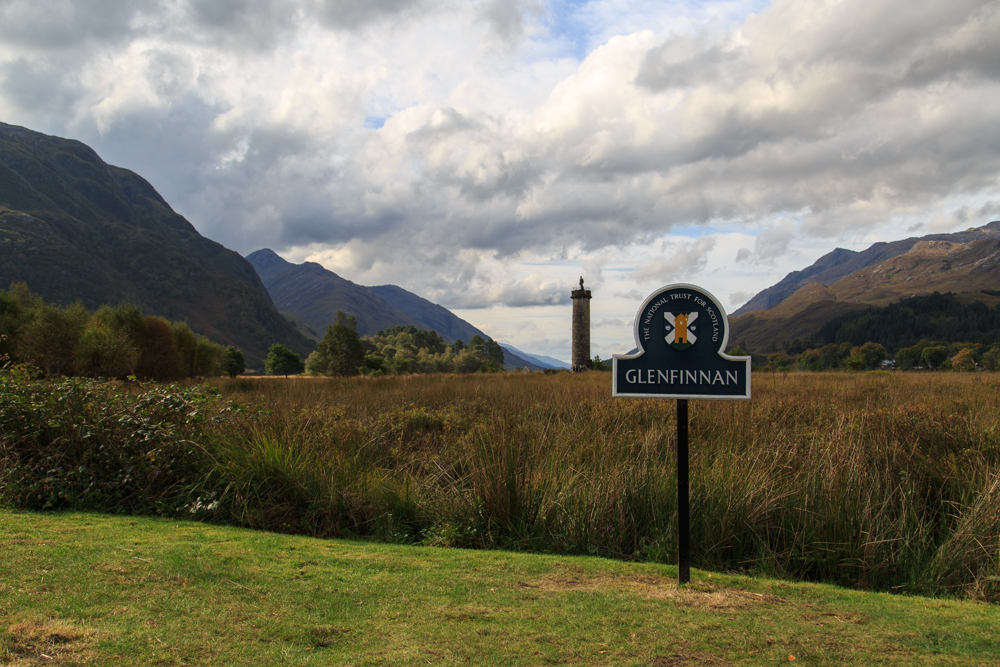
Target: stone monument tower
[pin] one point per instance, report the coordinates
(581, 329)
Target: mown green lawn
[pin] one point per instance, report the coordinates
(96, 589)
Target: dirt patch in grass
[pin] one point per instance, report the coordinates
(702, 596)
(832, 618)
(48, 642)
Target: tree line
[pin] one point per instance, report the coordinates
(112, 342)
(924, 355)
(933, 332)
(398, 350)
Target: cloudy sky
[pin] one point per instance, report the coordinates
(485, 154)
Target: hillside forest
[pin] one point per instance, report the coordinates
(931, 332)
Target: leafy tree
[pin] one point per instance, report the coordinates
(158, 358)
(109, 346)
(17, 307)
(406, 349)
(400, 362)
(797, 346)
(599, 365)
(316, 363)
(342, 346)
(467, 361)
(807, 361)
(737, 351)
(934, 356)
(282, 361)
(867, 356)
(909, 357)
(49, 340)
(233, 362)
(207, 357)
(778, 362)
(991, 359)
(198, 355)
(964, 360)
(429, 340)
(187, 347)
(832, 355)
(374, 364)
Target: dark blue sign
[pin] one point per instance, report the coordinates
(681, 333)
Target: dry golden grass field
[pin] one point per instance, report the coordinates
(883, 481)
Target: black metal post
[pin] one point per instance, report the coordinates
(683, 499)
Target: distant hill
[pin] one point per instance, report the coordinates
(77, 229)
(964, 264)
(433, 316)
(538, 360)
(515, 359)
(839, 263)
(312, 295)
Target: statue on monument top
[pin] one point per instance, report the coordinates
(581, 282)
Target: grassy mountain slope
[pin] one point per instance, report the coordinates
(314, 294)
(928, 266)
(77, 229)
(840, 263)
(435, 317)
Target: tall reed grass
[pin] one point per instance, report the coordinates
(879, 481)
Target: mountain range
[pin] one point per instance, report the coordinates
(77, 229)
(843, 281)
(539, 360)
(312, 295)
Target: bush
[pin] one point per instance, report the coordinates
(82, 444)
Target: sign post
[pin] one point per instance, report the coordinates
(681, 333)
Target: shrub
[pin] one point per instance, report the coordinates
(82, 444)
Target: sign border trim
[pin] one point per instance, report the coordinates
(641, 351)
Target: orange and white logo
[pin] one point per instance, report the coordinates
(680, 329)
